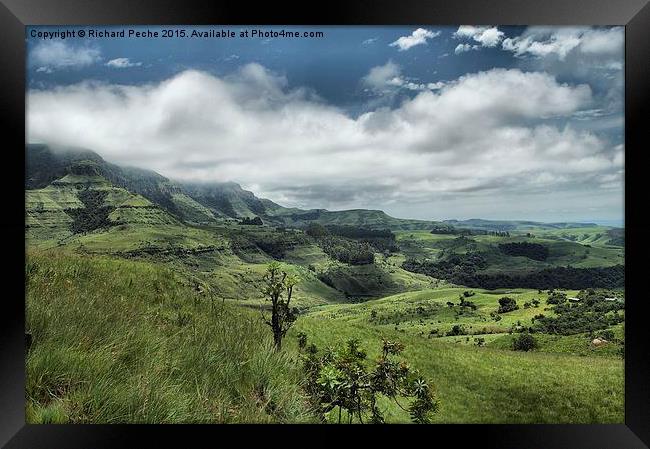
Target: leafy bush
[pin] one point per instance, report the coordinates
(507, 304)
(456, 329)
(524, 342)
(340, 379)
(556, 298)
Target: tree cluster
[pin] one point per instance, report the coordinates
(257, 221)
(590, 314)
(94, 215)
(533, 251)
(464, 271)
(347, 251)
(380, 240)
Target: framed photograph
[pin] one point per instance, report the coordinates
(361, 213)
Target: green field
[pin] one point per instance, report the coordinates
(144, 310)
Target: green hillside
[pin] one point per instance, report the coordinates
(119, 341)
(424, 245)
(64, 209)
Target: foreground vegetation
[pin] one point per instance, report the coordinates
(489, 385)
(118, 341)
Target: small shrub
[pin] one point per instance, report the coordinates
(507, 304)
(524, 342)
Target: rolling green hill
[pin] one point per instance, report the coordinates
(424, 245)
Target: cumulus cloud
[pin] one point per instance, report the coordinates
(485, 36)
(380, 76)
(490, 132)
(387, 78)
(122, 63)
(53, 55)
(560, 41)
(461, 48)
(417, 37)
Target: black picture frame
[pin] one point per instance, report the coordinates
(16, 14)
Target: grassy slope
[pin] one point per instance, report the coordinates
(423, 244)
(594, 235)
(123, 341)
(483, 384)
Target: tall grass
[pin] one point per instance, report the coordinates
(486, 385)
(117, 341)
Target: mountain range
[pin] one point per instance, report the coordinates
(210, 202)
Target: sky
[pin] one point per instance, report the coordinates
(493, 122)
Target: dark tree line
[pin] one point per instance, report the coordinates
(533, 251)
(464, 270)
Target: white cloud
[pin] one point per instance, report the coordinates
(369, 41)
(387, 78)
(418, 37)
(378, 77)
(484, 132)
(122, 63)
(60, 55)
(461, 48)
(484, 35)
(560, 41)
